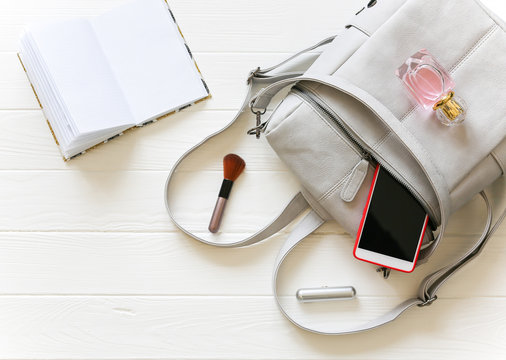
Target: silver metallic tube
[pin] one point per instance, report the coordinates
(307, 295)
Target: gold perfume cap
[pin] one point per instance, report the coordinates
(450, 107)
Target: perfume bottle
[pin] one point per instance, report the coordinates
(432, 87)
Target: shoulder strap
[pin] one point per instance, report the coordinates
(277, 81)
(287, 69)
(429, 287)
(427, 290)
(433, 282)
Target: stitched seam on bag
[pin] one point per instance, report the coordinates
(409, 113)
(336, 186)
(315, 205)
(374, 148)
(452, 70)
(273, 130)
(332, 189)
(339, 115)
(463, 59)
(457, 64)
(499, 162)
(390, 132)
(474, 48)
(345, 141)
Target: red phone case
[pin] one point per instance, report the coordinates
(364, 214)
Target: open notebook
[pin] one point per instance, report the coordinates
(96, 78)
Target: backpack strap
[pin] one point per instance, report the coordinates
(433, 282)
(287, 69)
(303, 229)
(428, 287)
(427, 290)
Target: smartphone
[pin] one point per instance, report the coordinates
(393, 225)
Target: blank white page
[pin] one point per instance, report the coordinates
(149, 58)
(75, 62)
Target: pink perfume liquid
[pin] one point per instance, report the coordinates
(431, 86)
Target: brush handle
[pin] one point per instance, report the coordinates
(214, 224)
(226, 187)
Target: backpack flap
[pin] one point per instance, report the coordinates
(323, 157)
(467, 42)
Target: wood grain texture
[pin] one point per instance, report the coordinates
(134, 201)
(156, 146)
(230, 25)
(225, 73)
(92, 268)
(239, 328)
(170, 264)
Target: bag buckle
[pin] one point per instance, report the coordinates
(260, 127)
(428, 302)
(257, 130)
(252, 74)
(386, 272)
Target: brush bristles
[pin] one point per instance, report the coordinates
(233, 165)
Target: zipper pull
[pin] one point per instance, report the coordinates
(355, 179)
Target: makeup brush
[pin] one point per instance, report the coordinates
(233, 166)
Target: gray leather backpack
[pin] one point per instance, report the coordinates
(347, 107)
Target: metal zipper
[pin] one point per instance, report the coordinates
(323, 109)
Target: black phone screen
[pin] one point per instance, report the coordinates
(394, 222)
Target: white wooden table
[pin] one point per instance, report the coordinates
(92, 268)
